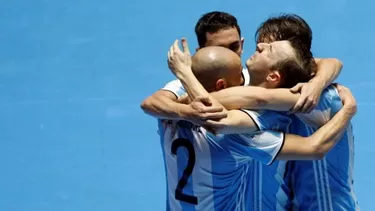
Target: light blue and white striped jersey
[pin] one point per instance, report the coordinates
(326, 184)
(208, 172)
(264, 190)
(270, 184)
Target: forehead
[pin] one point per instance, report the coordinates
(223, 37)
(282, 49)
(266, 39)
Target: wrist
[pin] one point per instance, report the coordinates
(350, 109)
(318, 82)
(183, 72)
(182, 111)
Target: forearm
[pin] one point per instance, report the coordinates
(328, 135)
(235, 123)
(328, 70)
(251, 97)
(317, 145)
(163, 106)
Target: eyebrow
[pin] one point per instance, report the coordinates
(270, 47)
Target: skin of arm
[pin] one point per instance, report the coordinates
(297, 147)
(328, 70)
(276, 99)
(252, 97)
(318, 144)
(163, 104)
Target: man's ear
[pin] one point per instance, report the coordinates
(221, 84)
(274, 77)
(242, 41)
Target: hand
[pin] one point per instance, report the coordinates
(178, 60)
(185, 99)
(200, 110)
(347, 99)
(310, 95)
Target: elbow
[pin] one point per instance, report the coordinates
(146, 105)
(338, 63)
(316, 151)
(319, 155)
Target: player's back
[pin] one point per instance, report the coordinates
(203, 171)
(325, 184)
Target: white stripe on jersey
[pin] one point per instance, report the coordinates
(202, 158)
(256, 184)
(321, 179)
(260, 186)
(349, 133)
(317, 185)
(241, 205)
(328, 186)
(281, 196)
(172, 175)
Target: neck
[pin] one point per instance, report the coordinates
(256, 80)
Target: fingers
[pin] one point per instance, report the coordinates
(185, 46)
(205, 100)
(210, 109)
(171, 51)
(201, 108)
(214, 124)
(307, 107)
(175, 46)
(301, 101)
(214, 116)
(297, 88)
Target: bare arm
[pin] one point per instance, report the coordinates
(328, 70)
(163, 104)
(236, 122)
(317, 145)
(251, 97)
(296, 147)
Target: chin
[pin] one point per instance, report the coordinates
(248, 62)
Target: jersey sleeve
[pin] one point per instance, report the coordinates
(270, 120)
(263, 146)
(175, 87)
(329, 104)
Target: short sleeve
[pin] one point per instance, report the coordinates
(263, 146)
(270, 120)
(175, 87)
(329, 104)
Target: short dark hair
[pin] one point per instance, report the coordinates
(213, 22)
(298, 69)
(285, 27)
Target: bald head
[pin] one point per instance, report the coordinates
(217, 68)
